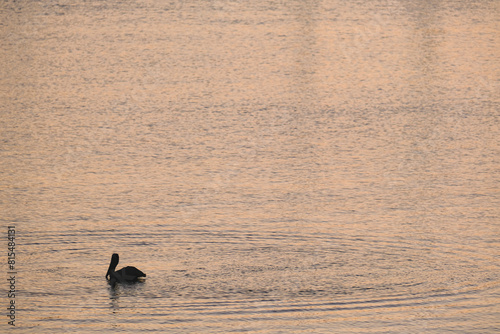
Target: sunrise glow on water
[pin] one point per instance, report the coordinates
(273, 167)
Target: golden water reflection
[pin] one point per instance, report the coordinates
(296, 166)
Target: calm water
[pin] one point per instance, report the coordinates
(273, 166)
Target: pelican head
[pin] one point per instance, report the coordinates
(112, 266)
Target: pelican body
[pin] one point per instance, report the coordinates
(127, 274)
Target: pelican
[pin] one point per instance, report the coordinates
(127, 274)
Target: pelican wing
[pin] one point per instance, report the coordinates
(131, 273)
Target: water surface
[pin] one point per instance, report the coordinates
(274, 167)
